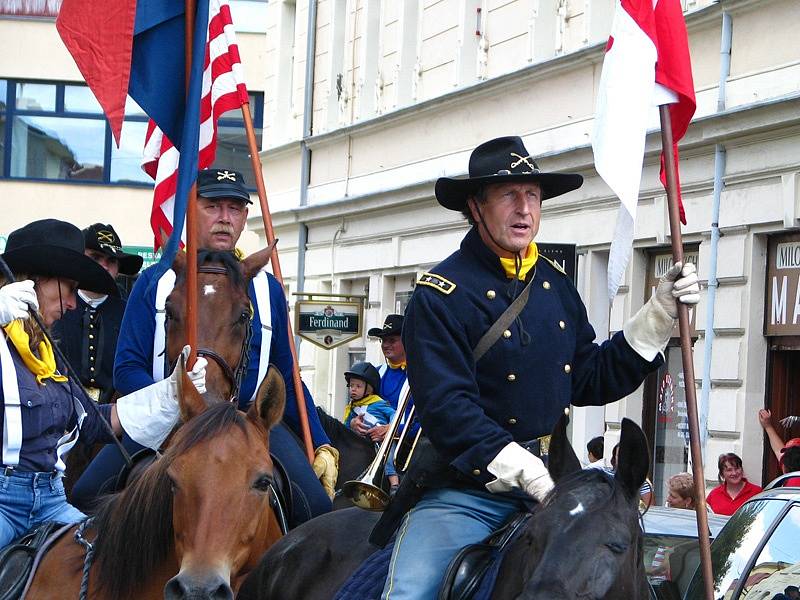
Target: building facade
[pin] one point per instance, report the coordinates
(402, 92)
(57, 155)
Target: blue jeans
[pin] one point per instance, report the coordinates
(432, 533)
(309, 497)
(28, 499)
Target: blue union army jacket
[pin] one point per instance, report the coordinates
(544, 362)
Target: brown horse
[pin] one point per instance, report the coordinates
(223, 318)
(194, 523)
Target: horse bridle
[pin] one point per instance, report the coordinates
(235, 377)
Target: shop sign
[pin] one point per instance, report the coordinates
(782, 311)
(657, 267)
(564, 255)
(328, 323)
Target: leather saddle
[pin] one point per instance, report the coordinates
(18, 560)
(475, 562)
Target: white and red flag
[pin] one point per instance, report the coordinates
(646, 64)
(223, 89)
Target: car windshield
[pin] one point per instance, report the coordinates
(734, 546)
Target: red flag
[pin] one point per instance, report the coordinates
(99, 36)
(674, 71)
(223, 90)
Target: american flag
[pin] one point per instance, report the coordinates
(223, 90)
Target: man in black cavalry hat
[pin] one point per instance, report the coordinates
(498, 345)
(88, 334)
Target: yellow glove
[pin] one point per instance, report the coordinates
(326, 467)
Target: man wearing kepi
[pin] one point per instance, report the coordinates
(486, 394)
(221, 215)
(88, 334)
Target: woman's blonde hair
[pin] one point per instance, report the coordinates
(683, 485)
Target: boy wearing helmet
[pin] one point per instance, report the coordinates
(363, 380)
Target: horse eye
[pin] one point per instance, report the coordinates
(263, 483)
(617, 547)
(245, 316)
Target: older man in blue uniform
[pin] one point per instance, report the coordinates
(484, 406)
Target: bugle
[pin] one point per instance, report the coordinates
(362, 491)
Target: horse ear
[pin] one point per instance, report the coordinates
(190, 401)
(270, 399)
(255, 262)
(562, 460)
(179, 264)
(633, 458)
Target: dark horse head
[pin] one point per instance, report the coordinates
(585, 541)
(224, 314)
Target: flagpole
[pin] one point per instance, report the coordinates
(191, 211)
(269, 231)
(686, 352)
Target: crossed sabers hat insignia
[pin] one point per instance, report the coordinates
(523, 159)
(221, 175)
(105, 237)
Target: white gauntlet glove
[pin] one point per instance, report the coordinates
(649, 330)
(15, 300)
(149, 414)
(515, 467)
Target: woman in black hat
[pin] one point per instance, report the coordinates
(39, 401)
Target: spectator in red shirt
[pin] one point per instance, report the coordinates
(734, 489)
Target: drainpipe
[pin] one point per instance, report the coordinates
(305, 152)
(719, 172)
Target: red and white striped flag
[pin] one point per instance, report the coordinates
(223, 90)
(646, 64)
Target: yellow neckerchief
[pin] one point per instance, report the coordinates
(44, 368)
(365, 401)
(527, 263)
(238, 254)
(400, 365)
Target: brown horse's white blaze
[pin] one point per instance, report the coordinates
(222, 530)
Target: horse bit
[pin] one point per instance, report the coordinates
(235, 377)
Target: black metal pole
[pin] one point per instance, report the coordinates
(10, 278)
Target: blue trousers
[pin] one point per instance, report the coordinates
(432, 533)
(28, 499)
(309, 497)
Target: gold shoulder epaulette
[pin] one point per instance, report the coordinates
(437, 282)
(555, 265)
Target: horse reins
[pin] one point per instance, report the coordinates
(234, 376)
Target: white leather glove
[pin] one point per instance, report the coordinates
(679, 283)
(149, 414)
(649, 330)
(15, 300)
(515, 467)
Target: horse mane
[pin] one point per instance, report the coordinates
(134, 527)
(580, 484)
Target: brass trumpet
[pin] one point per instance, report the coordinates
(362, 491)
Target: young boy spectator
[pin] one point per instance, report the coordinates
(594, 451)
(363, 381)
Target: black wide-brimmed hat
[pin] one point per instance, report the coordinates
(54, 248)
(222, 183)
(102, 238)
(392, 325)
(502, 160)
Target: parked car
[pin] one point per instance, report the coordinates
(757, 553)
(671, 551)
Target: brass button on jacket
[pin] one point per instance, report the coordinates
(511, 377)
(476, 472)
(491, 294)
(567, 368)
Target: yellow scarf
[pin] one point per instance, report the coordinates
(527, 263)
(365, 401)
(44, 368)
(400, 365)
